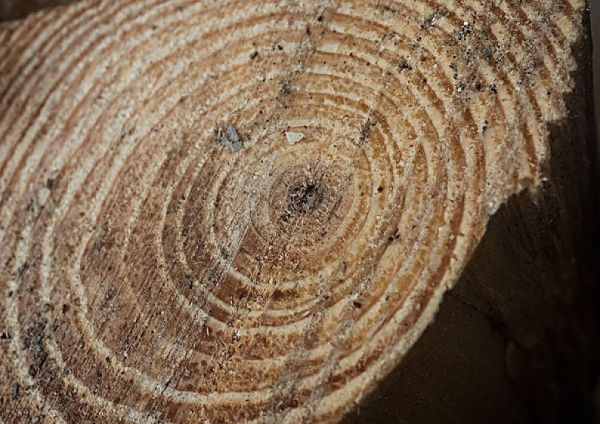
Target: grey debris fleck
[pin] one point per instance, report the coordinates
(293, 137)
(230, 138)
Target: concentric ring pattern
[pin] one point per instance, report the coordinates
(227, 211)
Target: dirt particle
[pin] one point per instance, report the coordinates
(30, 207)
(365, 131)
(434, 17)
(404, 66)
(24, 267)
(305, 197)
(394, 236)
(460, 87)
(254, 54)
(34, 340)
(285, 88)
(230, 138)
(464, 31)
(16, 391)
(293, 137)
(357, 304)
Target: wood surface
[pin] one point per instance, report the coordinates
(251, 211)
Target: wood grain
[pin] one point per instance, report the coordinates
(250, 210)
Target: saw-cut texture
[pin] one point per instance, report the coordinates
(231, 211)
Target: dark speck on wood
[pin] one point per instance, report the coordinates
(404, 65)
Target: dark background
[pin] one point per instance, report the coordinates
(595, 5)
(596, 33)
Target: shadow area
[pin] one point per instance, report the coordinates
(17, 9)
(516, 341)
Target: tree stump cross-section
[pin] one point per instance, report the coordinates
(250, 211)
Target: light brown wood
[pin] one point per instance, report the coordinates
(251, 210)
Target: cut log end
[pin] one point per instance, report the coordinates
(240, 211)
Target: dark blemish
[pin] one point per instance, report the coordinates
(188, 282)
(404, 65)
(50, 183)
(254, 54)
(285, 88)
(305, 197)
(365, 131)
(356, 304)
(494, 88)
(30, 206)
(379, 189)
(65, 308)
(395, 236)
(320, 18)
(279, 46)
(22, 269)
(464, 32)
(478, 86)
(485, 126)
(16, 391)
(460, 87)
(488, 54)
(230, 138)
(4, 335)
(34, 340)
(154, 27)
